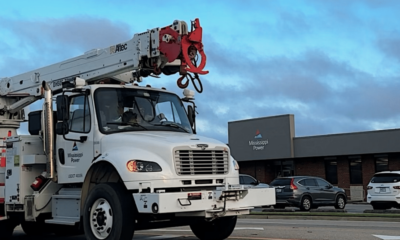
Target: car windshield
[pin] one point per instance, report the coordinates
(130, 109)
(386, 178)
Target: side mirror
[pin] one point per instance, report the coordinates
(256, 183)
(328, 187)
(62, 128)
(191, 116)
(62, 108)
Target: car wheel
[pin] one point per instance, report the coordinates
(108, 213)
(218, 229)
(306, 203)
(379, 206)
(340, 202)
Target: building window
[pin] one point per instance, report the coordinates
(283, 168)
(355, 170)
(381, 163)
(331, 171)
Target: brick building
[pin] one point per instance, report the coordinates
(267, 148)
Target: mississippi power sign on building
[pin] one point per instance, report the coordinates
(262, 138)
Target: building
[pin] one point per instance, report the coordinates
(267, 148)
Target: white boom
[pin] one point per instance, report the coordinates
(159, 50)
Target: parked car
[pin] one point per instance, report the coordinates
(307, 192)
(251, 181)
(384, 190)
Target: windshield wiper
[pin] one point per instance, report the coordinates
(127, 124)
(174, 125)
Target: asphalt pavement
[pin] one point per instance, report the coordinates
(350, 208)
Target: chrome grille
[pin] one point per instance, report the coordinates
(201, 162)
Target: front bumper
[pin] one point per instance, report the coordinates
(225, 201)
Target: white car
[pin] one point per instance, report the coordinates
(384, 190)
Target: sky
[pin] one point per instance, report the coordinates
(334, 64)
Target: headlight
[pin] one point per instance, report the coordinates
(236, 164)
(142, 166)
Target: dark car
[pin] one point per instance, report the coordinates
(251, 181)
(307, 192)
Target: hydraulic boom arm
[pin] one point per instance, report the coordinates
(167, 50)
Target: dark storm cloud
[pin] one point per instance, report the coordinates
(47, 41)
(82, 32)
(326, 95)
(390, 45)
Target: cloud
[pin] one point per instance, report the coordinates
(390, 46)
(37, 43)
(326, 95)
(333, 64)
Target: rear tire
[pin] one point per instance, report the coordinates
(7, 229)
(305, 204)
(218, 229)
(108, 213)
(340, 202)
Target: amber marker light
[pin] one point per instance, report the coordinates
(142, 166)
(131, 165)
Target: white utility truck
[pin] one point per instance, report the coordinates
(112, 157)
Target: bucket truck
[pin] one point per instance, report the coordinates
(109, 156)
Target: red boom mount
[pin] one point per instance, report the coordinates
(185, 47)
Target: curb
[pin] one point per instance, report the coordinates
(335, 218)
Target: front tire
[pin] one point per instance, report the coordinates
(218, 229)
(305, 204)
(108, 213)
(340, 202)
(7, 229)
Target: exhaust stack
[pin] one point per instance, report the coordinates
(48, 129)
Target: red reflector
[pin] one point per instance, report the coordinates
(2, 184)
(292, 186)
(3, 162)
(1, 200)
(9, 134)
(194, 196)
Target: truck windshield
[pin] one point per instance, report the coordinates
(129, 109)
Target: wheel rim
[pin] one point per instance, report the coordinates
(101, 218)
(306, 204)
(340, 202)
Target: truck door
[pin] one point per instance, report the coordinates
(75, 149)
